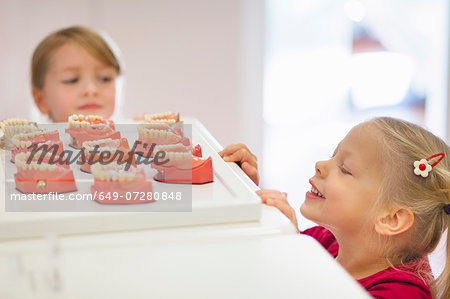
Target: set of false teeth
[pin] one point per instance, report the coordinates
(85, 124)
(161, 121)
(19, 143)
(160, 116)
(178, 147)
(152, 133)
(13, 122)
(107, 144)
(81, 117)
(116, 172)
(154, 126)
(21, 161)
(11, 127)
(79, 120)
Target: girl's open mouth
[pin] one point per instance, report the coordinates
(314, 193)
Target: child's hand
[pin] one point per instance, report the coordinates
(245, 158)
(279, 200)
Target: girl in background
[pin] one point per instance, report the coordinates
(74, 70)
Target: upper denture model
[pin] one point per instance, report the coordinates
(92, 127)
(105, 151)
(42, 139)
(13, 126)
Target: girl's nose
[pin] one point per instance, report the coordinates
(90, 89)
(321, 168)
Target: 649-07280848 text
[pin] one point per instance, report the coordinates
(138, 196)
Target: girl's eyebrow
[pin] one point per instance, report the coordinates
(69, 69)
(105, 67)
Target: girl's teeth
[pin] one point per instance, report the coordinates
(315, 191)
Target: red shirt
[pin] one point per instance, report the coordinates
(401, 282)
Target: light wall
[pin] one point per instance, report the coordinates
(202, 58)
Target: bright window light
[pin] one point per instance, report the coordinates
(355, 10)
(379, 78)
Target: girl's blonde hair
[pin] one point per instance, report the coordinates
(403, 144)
(90, 40)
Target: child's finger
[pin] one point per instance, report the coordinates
(274, 194)
(229, 150)
(251, 172)
(241, 155)
(266, 194)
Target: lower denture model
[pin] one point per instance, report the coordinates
(105, 151)
(42, 139)
(153, 134)
(43, 174)
(87, 128)
(166, 118)
(11, 127)
(162, 118)
(182, 166)
(116, 184)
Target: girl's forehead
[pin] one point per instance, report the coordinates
(365, 132)
(70, 55)
(363, 140)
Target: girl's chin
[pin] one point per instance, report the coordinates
(310, 213)
(304, 210)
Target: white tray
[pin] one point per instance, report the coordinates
(230, 198)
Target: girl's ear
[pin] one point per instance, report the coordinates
(395, 222)
(38, 96)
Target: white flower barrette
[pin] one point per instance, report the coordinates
(423, 167)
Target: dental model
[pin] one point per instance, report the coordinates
(48, 175)
(115, 184)
(43, 139)
(181, 166)
(92, 127)
(151, 135)
(13, 126)
(105, 151)
(161, 118)
(165, 118)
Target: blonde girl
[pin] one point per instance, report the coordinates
(74, 70)
(382, 203)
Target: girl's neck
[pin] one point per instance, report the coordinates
(359, 258)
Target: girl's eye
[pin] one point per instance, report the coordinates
(70, 81)
(344, 171)
(105, 79)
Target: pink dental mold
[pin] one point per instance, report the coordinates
(114, 184)
(42, 139)
(115, 150)
(87, 128)
(182, 166)
(48, 175)
(158, 134)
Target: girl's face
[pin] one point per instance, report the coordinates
(76, 82)
(348, 183)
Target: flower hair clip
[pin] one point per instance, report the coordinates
(422, 167)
